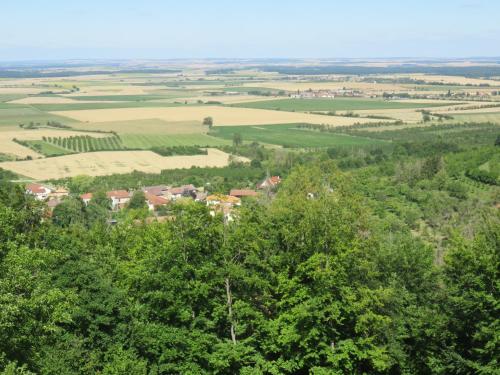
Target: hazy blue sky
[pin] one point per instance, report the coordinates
(55, 29)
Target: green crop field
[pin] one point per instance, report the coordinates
(15, 114)
(48, 149)
(9, 97)
(146, 141)
(477, 117)
(289, 135)
(337, 104)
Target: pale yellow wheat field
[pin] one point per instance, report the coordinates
(110, 162)
(223, 116)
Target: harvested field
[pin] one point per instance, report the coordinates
(110, 162)
(20, 90)
(223, 116)
(146, 126)
(306, 85)
(225, 99)
(12, 148)
(478, 117)
(409, 114)
(451, 79)
(50, 100)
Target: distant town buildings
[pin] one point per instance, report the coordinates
(324, 94)
(160, 195)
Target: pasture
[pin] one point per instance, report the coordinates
(111, 162)
(290, 135)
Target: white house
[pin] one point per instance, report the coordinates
(40, 192)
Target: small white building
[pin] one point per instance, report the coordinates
(119, 198)
(40, 192)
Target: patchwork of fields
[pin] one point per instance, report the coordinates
(92, 123)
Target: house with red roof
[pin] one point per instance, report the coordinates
(269, 182)
(157, 190)
(86, 198)
(182, 191)
(240, 193)
(119, 198)
(40, 192)
(154, 201)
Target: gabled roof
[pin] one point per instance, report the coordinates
(118, 194)
(182, 189)
(176, 190)
(243, 193)
(270, 181)
(155, 200)
(36, 188)
(155, 190)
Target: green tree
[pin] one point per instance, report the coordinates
(208, 121)
(237, 139)
(80, 184)
(71, 211)
(472, 274)
(138, 200)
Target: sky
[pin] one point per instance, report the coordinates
(155, 29)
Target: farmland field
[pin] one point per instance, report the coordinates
(144, 110)
(337, 104)
(48, 149)
(8, 146)
(147, 141)
(289, 135)
(145, 126)
(99, 105)
(223, 116)
(478, 117)
(13, 115)
(106, 163)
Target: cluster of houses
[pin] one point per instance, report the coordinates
(324, 94)
(160, 195)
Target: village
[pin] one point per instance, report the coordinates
(158, 198)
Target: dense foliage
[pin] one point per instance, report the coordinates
(383, 260)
